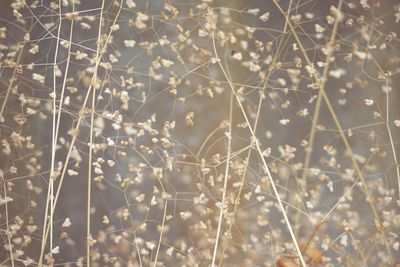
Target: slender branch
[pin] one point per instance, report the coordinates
(89, 189)
(247, 161)
(391, 138)
(323, 81)
(229, 137)
(369, 196)
(78, 124)
(288, 225)
(161, 232)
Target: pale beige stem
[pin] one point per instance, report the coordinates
(286, 219)
(229, 137)
(369, 196)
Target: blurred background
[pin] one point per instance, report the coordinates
(179, 89)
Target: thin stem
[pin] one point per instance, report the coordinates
(161, 232)
(229, 137)
(89, 189)
(323, 81)
(369, 196)
(391, 137)
(247, 161)
(288, 225)
(78, 124)
(7, 224)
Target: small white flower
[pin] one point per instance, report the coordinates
(238, 56)
(337, 73)
(264, 17)
(284, 121)
(330, 186)
(368, 102)
(396, 246)
(319, 28)
(39, 78)
(130, 4)
(140, 197)
(56, 250)
(185, 215)
(66, 223)
(169, 251)
(72, 172)
(129, 43)
(167, 63)
(215, 60)
(254, 11)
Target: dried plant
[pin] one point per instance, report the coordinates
(199, 133)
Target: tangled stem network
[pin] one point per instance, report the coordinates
(199, 133)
